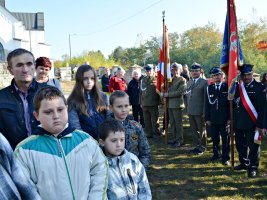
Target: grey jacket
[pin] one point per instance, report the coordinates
(127, 178)
(196, 96)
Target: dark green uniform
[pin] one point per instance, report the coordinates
(149, 100)
(176, 105)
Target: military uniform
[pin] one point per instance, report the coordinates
(150, 99)
(176, 106)
(195, 95)
(244, 126)
(217, 112)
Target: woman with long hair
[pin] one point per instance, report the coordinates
(87, 105)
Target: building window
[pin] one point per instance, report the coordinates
(2, 53)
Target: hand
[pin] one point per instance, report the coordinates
(164, 100)
(208, 123)
(264, 132)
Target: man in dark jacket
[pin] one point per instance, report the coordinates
(105, 80)
(249, 105)
(133, 90)
(217, 116)
(16, 101)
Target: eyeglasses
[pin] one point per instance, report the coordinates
(195, 70)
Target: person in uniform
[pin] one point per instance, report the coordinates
(176, 104)
(217, 116)
(196, 92)
(150, 100)
(249, 104)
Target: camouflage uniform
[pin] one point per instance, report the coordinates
(136, 141)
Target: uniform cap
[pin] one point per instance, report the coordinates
(196, 66)
(215, 70)
(246, 69)
(148, 67)
(176, 66)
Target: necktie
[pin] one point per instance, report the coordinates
(217, 87)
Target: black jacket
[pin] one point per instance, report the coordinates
(256, 93)
(133, 90)
(217, 111)
(105, 83)
(12, 121)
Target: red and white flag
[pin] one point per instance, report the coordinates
(163, 58)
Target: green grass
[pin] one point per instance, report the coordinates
(176, 174)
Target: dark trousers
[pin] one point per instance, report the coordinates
(138, 114)
(218, 130)
(244, 140)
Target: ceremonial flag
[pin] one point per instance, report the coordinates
(231, 51)
(164, 63)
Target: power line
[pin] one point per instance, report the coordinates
(121, 21)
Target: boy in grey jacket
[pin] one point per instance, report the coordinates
(126, 175)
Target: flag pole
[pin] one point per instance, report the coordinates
(165, 78)
(232, 147)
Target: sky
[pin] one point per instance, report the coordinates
(106, 24)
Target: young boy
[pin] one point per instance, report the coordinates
(61, 162)
(135, 141)
(127, 176)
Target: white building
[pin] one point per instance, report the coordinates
(22, 30)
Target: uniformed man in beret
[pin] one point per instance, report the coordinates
(150, 100)
(196, 92)
(249, 102)
(176, 104)
(217, 116)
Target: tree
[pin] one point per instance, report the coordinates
(250, 34)
(200, 44)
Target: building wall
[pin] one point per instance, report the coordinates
(14, 35)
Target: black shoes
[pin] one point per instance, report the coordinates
(252, 173)
(226, 163)
(240, 167)
(196, 151)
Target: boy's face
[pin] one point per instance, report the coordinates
(120, 108)
(114, 144)
(53, 115)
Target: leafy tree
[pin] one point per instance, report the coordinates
(201, 45)
(250, 34)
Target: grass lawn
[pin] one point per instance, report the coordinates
(176, 174)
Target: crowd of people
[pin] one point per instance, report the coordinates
(89, 146)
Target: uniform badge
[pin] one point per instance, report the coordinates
(135, 137)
